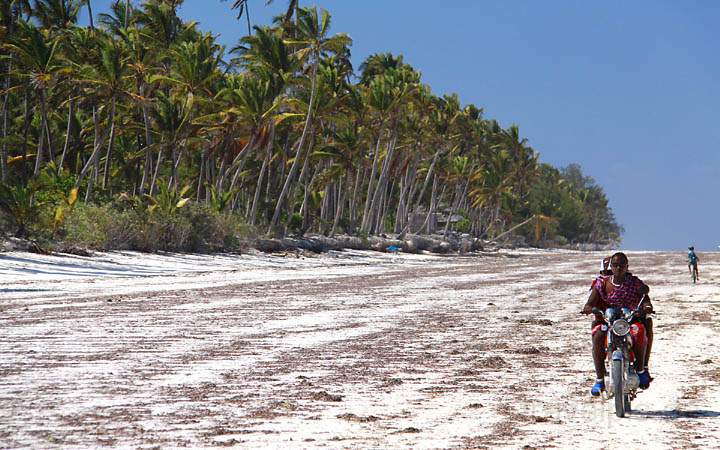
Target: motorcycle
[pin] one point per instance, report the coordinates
(621, 380)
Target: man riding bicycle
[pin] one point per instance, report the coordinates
(692, 262)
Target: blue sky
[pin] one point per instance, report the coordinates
(628, 90)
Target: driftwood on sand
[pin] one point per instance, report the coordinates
(409, 244)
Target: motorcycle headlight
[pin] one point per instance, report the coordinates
(621, 327)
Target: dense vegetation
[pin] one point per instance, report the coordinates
(139, 131)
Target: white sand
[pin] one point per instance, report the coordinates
(135, 350)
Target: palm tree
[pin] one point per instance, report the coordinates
(57, 15)
(192, 77)
(9, 13)
(266, 54)
(39, 63)
(107, 80)
(121, 18)
(160, 24)
(243, 7)
(172, 118)
(312, 43)
(378, 64)
(388, 94)
(141, 65)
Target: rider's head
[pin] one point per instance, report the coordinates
(619, 264)
(605, 266)
(691, 248)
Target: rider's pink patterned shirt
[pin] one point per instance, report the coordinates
(627, 295)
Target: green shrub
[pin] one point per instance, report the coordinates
(101, 228)
(463, 225)
(127, 226)
(19, 213)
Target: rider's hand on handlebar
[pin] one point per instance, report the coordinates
(587, 309)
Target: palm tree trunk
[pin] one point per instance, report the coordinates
(4, 151)
(370, 192)
(407, 184)
(456, 204)
(239, 160)
(201, 174)
(209, 175)
(258, 187)
(90, 14)
(91, 161)
(156, 172)
(430, 206)
(384, 206)
(48, 136)
(68, 130)
(306, 192)
(147, 167)
(220, 176)
(427, 178)
(41, 137)
(235, 177)
(97, 143)
(353, 200)
(298, 151)
(111, 140)
(339, 206)
(416, 203)
(177, 157)
(26, 129)
(382, 182)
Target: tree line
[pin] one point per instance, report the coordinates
(142, 110)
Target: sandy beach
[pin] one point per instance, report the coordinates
(342, 350)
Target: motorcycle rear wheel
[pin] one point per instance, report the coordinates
(618, 388)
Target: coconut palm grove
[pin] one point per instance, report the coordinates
(139, 131)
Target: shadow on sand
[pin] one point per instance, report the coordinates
(679, 414)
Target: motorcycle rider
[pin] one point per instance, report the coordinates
(620, 290)
(646, 321)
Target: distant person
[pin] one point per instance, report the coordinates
(605, 266)
(619, 290)
(692, 262)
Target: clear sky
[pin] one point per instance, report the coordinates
(628, 90)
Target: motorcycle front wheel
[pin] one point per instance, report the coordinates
(618, 388)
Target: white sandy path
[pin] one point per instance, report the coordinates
(666, 417)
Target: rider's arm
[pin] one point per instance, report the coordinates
(647, 305)
(593, 300)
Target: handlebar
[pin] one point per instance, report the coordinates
(639, 311)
